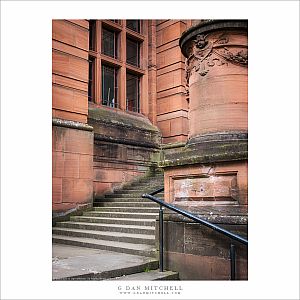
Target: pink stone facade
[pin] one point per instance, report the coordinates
(72, 168)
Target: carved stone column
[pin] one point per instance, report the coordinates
(217, 77)
(212, 167)
(209, 176)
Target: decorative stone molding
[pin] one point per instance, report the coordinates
(206, 53)
(206, 46)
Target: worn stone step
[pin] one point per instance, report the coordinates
(130, 195)
(106, 235)
(121, 221)
(95, 264)
(124, 196)
(149, 276)
(137, 199)
(128, 204)
(136, 191)
(155, 184)
(136, 249)
(153, 209)
(108, 227)
(110, 214)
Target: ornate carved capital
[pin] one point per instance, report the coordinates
(206, 53)
(212, 43)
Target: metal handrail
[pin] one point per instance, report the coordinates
(185, 213)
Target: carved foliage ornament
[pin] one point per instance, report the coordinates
(207, 54)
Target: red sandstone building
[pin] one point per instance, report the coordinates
(135, 99)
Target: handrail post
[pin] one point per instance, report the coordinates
(232, 261)
(161, 239)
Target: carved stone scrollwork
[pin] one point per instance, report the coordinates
(205, 54)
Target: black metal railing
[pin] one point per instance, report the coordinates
(198, 220)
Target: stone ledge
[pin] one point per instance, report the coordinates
(110, 139)
(173, 145)
(209, 148)
(120, 119)
(231, 215)
(71, 124)
(190, 159)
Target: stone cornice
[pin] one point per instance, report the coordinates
(209, 26)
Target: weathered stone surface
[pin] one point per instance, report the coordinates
(125, 147)
(208, 151)
(221, 183)
(204, 254)
(72, 167)
(173, 236)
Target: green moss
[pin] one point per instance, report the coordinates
(121, 119)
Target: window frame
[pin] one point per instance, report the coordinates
(136, 108)
(119, 63)
(115, 88)
(91, 81)
(129, 39)
(115, 41)
(139, 25)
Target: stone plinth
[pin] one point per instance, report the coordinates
(199, 253)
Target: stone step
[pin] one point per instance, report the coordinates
(94, 264)
(149, 276)
(110, 214)
(98, 207)
(136, 249)
(149, 179)
(127, 204)
(137, 199)
(124, 196)
(146, 186)
(108, 227)
(135, 191)
(121, 221)
(107, 235)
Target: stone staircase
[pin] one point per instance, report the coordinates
(121, 222)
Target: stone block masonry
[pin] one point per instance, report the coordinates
(72, 166)
(125, 147)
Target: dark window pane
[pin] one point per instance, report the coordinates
(91, 86)
(109, 43)
(115, 21)
(132, 52)
(92, 32)
(109, 86)
(134, 25)
(132, 92)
